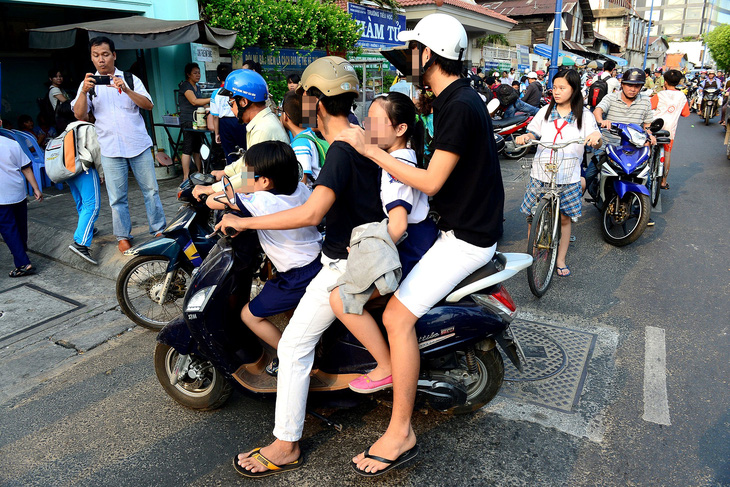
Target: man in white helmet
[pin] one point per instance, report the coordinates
(466, 184)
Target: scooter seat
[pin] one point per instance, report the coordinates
(495, 265)
(506, 122)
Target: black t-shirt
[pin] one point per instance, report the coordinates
(356, 183)
(187, 108)
(471, 201)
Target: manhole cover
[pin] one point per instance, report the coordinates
(556, 360)
(27, 306)
(544, 357)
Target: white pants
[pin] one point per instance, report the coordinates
(296, 350)
(448, 262)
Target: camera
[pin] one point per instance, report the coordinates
(102, 79)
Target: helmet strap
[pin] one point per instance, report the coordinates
(422, 68)
(241, 110)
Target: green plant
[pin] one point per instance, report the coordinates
(718, 41)
(498, 39)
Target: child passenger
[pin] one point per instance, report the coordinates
(273, 185)
(391, 124)
(563, 120)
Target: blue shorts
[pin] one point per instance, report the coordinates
(284, 291)
(421, 237)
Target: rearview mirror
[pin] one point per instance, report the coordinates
(229, 191)
(656, 125)
(204, 151)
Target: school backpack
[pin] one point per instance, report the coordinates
(321, 145)
(66, 156)
(506, 95)
(596, 92)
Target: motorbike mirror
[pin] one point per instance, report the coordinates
(204, 151)
(229, 191)
(200, 178)
(656, 125)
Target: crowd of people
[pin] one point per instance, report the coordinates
(410, 158)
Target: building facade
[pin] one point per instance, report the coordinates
(684, 18)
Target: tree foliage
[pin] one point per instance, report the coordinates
(272, 24)
(718, 41)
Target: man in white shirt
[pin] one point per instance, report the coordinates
(123, 138)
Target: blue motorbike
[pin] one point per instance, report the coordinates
(151, 286)
(620, 191)
(205, 353)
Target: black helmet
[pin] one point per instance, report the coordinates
(634, 76)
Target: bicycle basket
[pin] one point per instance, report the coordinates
(548, 164)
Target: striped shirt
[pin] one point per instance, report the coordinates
(616, 110)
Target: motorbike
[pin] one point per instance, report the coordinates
(205, 353)
(507, 129)
(620, 190)
(151, 286)
(711, 99)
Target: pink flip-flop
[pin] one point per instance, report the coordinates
(365, 385)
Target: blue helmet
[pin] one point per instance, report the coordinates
(246, 83)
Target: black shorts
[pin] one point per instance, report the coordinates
(191, 141)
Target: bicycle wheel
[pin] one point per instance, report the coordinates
(543, 246)
(655, 177)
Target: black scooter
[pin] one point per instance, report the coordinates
(203, 354)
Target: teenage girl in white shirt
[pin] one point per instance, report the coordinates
(564, 119)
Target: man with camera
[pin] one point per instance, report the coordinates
(114, 99)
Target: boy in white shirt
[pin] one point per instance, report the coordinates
(669, 104)
(272, 185)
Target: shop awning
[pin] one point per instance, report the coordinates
(619, 61)
(133, 33)
(545, 51)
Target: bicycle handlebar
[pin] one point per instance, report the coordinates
(553, 146)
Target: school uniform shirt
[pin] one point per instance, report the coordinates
(560, 129)
(219, 106)
(287, 249)
(393, 193)
(355, 181)
(119, 124)
(669, 105)
(471, 200)
(12, 181)
(307, 153)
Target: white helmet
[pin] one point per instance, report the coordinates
(442, 33)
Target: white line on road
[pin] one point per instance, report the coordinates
(656, 403)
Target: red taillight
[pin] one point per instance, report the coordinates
(503, 297)
(179, 193)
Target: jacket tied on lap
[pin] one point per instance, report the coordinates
(373, 263)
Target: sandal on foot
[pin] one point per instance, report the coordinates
(25, 270)
(365, 385)
(664, 186)
(406, 456)
(565, 271)
(272, 467)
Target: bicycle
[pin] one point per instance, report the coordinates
(542, 243)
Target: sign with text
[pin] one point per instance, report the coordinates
(283, 59)
(523, 54)
(379, 27)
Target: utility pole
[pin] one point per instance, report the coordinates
(648, 34)
(556, 42)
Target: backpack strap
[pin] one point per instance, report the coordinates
(129, 79)
(321, 148)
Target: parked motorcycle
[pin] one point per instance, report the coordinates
(203, 354)
(151, 286)
(711, 99)
(620, 192)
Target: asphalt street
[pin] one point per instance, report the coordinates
(640, 397)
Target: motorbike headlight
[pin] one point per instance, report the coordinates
(199, 299)
(637, 138)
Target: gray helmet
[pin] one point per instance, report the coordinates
(634, 76)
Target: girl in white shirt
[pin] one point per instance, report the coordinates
(391, 124)
(563, 120)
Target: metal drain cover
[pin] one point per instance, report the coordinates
(28, 306)
(555, 367)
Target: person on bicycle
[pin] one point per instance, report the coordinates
(563, 120)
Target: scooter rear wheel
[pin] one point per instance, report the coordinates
(138, 285)
(209, 391)
(490, 376)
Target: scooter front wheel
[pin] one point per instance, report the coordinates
(201, 386)
(625, 219)
(140, 286)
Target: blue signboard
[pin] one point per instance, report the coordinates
(379, 27)
(284, 59)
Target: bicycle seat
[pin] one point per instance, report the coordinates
(506, 122)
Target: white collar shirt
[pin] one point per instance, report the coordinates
(119, 124)
(12, 180)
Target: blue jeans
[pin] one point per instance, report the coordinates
(519, 106)
(116, 173)
(85, 190)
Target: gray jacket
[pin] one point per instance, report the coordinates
(373, 263)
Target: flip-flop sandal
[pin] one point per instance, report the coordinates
(664, 188)
(406, 456)
(272, 467)
(558, 271)
(25, 270)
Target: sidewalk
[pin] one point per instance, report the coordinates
(52, 222)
